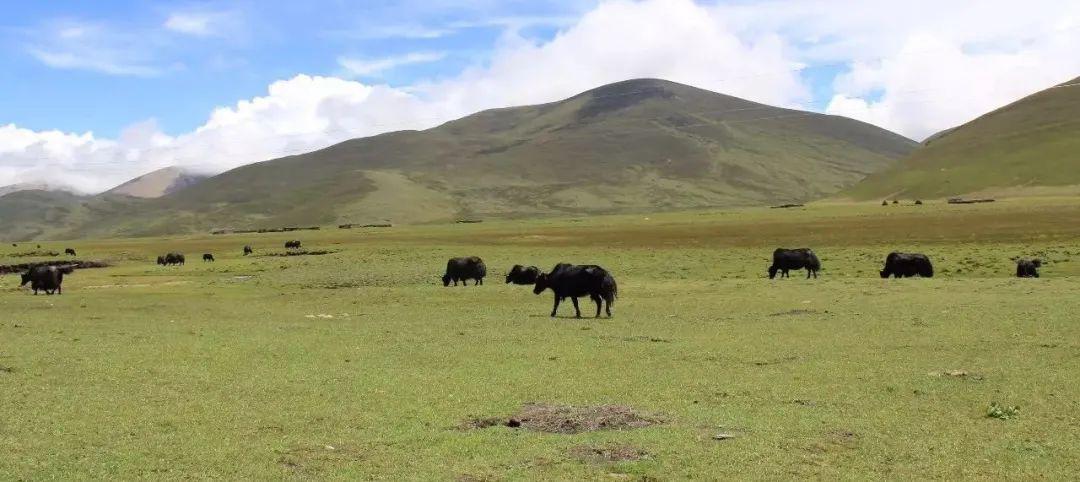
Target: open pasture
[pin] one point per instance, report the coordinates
(358, 363)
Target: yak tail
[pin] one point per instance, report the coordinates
(609, 288)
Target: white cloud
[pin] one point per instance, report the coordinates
(922, 66)
(201, 23)
(373, 67)
(92, 46)
(907, 70)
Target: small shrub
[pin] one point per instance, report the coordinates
(1002, 412)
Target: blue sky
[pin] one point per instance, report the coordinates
(94, 93)
(247, 46)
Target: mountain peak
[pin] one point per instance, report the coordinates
(157, 183)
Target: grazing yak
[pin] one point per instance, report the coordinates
(789, 259)
(294, 244)
(161, 261)
(174, 259)
(462, 269)
(905, 265)
(248, 250)
(1028, 268)
(522, 275)
(69, 251)
(570, 281)
(207, 257)
(46, 278)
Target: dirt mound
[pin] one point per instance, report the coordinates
(547, 418)
(296, 253)
(614, 453)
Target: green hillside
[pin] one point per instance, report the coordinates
(639, 145)
(1034, 142)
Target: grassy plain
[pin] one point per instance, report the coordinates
(359, 365)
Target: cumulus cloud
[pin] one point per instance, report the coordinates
(909, 71)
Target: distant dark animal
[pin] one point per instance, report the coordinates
(522, 275)
(905, 265)
(918, 202)
(894, 201)
(207, 257)
(161, 260)
(789, 259)
(1028, 268)
(884, 203)
(46, 278)
(69, 251)
(463, 269)
(294, 244)
(174, 259)
(575, 281)
(248, 250)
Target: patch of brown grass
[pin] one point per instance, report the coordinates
(566, 419)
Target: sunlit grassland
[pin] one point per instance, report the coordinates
(252, 367)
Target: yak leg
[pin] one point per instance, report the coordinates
(576, 309)
(596, 299)
(556, 307)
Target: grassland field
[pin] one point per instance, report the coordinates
(359, 364)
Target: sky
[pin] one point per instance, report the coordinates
(95, 93)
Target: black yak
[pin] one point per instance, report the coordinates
(462, 269)
(1028, 268)
(522, 275)
(46, 278)
(905, 265)
(570, 281)
(789, 259)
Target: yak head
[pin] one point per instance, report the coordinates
(542, 283)
(772, 271)
(446, 279)
(884, 273)
(25, 278)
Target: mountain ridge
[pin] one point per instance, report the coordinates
(632, 146)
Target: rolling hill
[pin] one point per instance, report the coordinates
(1031, 143)
(638, 145)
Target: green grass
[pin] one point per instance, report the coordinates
(252, 367)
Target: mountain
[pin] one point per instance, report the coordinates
(639, 145)
(158, 183)
(31, 186)
(1030, 144)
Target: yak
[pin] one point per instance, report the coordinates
(207, 257)
(294, 244)
(69, 251)
(522, 275)
(248, 250)
(574, 281)
(463, 269)
(907, 265)
(789, 259)
(46, 278)
(1028, 268)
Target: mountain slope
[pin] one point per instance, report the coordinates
(32, 186)
(1032, 142)
(639, 145)
(158, 183)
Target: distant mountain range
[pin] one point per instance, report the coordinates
(1027, 146)
(633, 146)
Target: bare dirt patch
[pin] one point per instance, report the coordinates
(608, 454)
(797, 312)
(566, 419)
